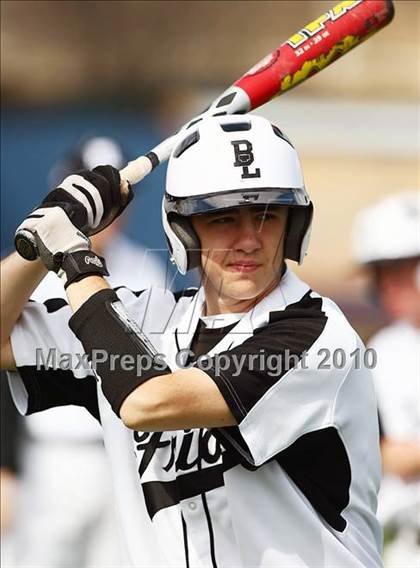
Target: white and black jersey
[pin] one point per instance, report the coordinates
(294, 484)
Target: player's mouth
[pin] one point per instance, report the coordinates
(244, 266)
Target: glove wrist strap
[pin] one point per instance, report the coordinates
(74, 266)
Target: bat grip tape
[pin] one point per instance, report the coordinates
(118, 350)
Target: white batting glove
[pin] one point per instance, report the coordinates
(55, 234)
(85, 203)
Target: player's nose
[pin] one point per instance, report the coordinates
(248, 233)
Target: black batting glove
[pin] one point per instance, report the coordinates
(92, 199)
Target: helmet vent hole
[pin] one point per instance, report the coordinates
(280, 134)
(236, 126)
(194, 122)
(226, 100)
(189, 141)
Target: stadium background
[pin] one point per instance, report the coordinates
(137, 70)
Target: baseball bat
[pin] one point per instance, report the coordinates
(304, 54)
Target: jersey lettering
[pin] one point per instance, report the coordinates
(209, 450)
(186, 456)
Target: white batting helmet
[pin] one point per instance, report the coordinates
(389, 230)
(232, 161)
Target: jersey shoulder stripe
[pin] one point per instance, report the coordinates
(269, 354)
(48, 388)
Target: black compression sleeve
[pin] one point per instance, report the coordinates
(120, 353)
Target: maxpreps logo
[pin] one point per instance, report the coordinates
(319, 24)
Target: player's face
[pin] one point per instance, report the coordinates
(242, 254)
(399, 289)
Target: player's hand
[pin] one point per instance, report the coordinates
(56, 231)
(91, 199)
(62, 246)
(84, 203)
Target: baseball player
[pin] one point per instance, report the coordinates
(244, 431)
(392, 260)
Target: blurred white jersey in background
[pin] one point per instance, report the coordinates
(397, 384)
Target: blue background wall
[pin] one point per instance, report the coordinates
(33, 139)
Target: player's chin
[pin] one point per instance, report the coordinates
(244, 286)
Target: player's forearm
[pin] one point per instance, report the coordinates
(188, 398)
(401, 459)
(7, 497)
(79, 292)
(19, 278)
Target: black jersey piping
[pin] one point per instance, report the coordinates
(208, 517)
(185, 537)
(177, 341)
(210, 528)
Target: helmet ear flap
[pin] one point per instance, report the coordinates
(297, 232)
(183, 229)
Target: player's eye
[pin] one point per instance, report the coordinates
(265, 216)
(222, 220)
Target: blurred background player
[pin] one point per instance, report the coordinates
(64, 513)
(387, 243)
